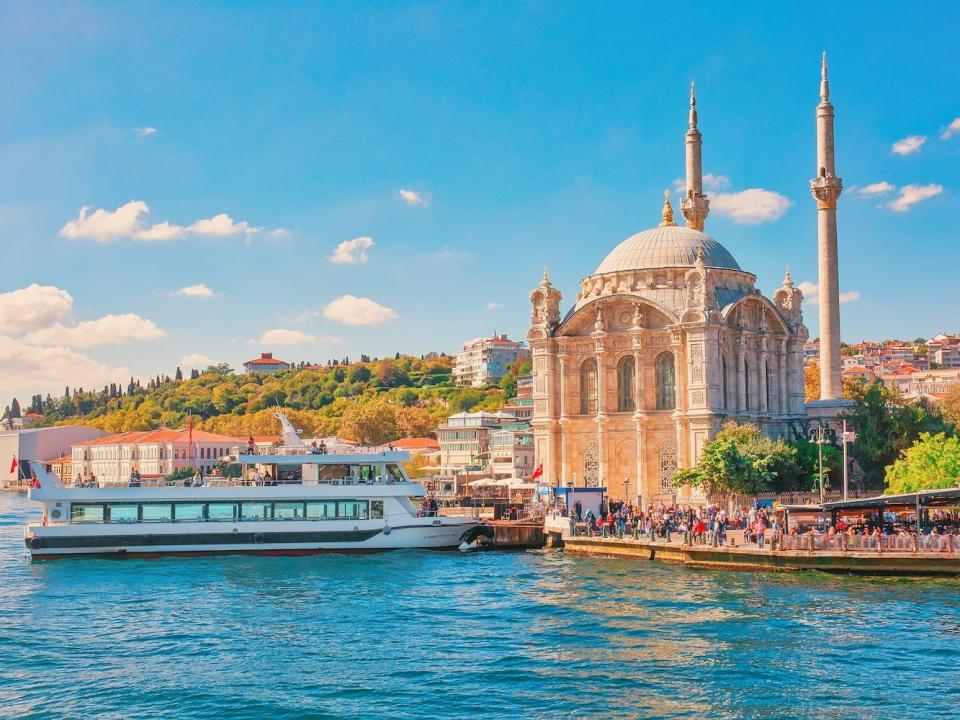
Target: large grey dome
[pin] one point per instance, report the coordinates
(666, 246)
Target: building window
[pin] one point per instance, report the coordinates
(625, 394)
(666, 382)
(588, 388)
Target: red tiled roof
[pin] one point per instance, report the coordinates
(265, 361)
(31, 416)
(416, 444)
(58, 460)
(157, 436)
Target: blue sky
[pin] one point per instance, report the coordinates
(261, 136)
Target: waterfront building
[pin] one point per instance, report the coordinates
(153, 453)
(465, 440)
(266, 363)
(511, 451)
(30, 444)
(485, 360)
(666, 340)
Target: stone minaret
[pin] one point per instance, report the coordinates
(695, 205)
(826, 188)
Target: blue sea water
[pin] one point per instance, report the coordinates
(444, 635)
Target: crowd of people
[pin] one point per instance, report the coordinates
(706, 525)
(710, 524)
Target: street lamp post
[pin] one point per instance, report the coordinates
(848, 437)
(821, 435)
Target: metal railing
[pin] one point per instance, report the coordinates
(871, 543)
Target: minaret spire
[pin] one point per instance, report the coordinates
(695, 205)
(824, 83)
(826, 189)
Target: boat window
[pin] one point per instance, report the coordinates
(376, 508)
(332, 472)
(156, 512)
(395, 473)
(222, 512)
(288, 474)
(288, 511)
(83, 512)
(321, 509)
(188, 512)
(255, 510)
(353, 509)
(128, 512)
(367, 473)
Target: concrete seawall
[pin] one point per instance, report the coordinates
(744, 558)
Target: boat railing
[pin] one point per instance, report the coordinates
(222, 482)
(331, 449)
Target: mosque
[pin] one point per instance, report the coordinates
(668, 339)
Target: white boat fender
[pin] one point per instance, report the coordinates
(387, 529)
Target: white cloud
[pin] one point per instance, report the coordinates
(877, 188)
(351, 310)
(811, 293)
(196, 360)
(952, 129)
(413, 198)
(494, 305)
(26, 369)
(129, 221)
(352, 252)
(108, 330)
(711, 182)
(909, 144)
(221, 225)
(144, 131)
(33, 307)
(195, 291)
(750, 207)
(910, 195)
(105, 226)
(715, 182)
(280, 336)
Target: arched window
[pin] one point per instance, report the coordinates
(723, 382)
(666, 382)
(625, 394)
(588, 388)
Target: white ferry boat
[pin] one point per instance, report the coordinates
(306, 503)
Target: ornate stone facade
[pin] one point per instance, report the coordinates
(667, 340)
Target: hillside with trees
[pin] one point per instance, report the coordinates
(371, 401)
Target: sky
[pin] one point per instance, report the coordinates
(183, 183)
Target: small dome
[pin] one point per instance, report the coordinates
(666, 246)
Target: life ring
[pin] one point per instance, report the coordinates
(258, 538)
(36, 543)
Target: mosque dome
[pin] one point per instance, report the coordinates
(666, 246)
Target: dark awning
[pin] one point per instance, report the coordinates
(927, 498)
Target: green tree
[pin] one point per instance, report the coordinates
(740, 460)
(15, 408)
(370, 423)
(932, 462)
(179, 375)
(886, 425)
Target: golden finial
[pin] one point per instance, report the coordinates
(546, 278)
(667, 211)
(700, 253)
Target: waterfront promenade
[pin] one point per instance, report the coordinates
(884, 555)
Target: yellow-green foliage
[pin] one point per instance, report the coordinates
(369, 402)
(931, 463)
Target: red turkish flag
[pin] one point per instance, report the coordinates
(13, 464)
(538, 472)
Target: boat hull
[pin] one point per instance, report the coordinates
(263, 539)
